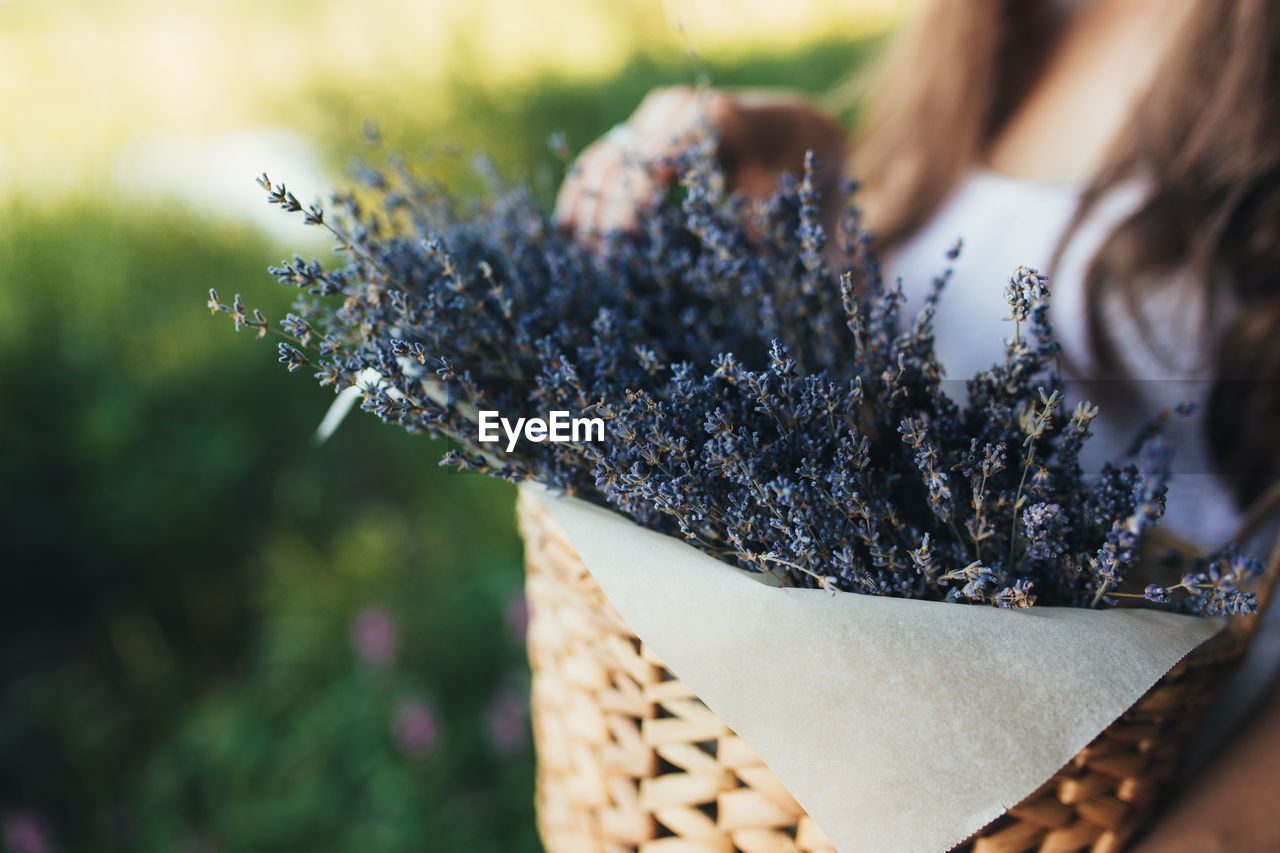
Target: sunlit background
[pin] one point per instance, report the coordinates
(216, 636)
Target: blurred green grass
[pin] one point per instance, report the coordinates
(182, 564)
(182, 567)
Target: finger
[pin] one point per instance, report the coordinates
(574, 186)
(657, 123)
(685, 118)
(656, 106)
(570, 188)
(666, 128)
(596, 170)
(610, 193)
(631, 190)
(566, 197)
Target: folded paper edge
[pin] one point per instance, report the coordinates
(983, 818)
(1005, 807)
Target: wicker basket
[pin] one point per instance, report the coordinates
(631, 761)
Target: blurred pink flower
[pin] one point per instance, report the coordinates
(517, 616)
(373, 636)
(507, 720)
(23, 832)
(415, 729)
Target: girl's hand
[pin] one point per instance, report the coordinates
(760, 135)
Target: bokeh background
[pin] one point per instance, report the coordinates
(216, 636)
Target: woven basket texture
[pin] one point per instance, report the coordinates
(631, 761)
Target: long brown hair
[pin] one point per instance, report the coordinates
(1206, 137)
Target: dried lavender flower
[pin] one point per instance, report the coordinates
(774, 407)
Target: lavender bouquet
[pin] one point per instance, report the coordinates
(759, 390)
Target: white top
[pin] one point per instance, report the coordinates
(1005, 222)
